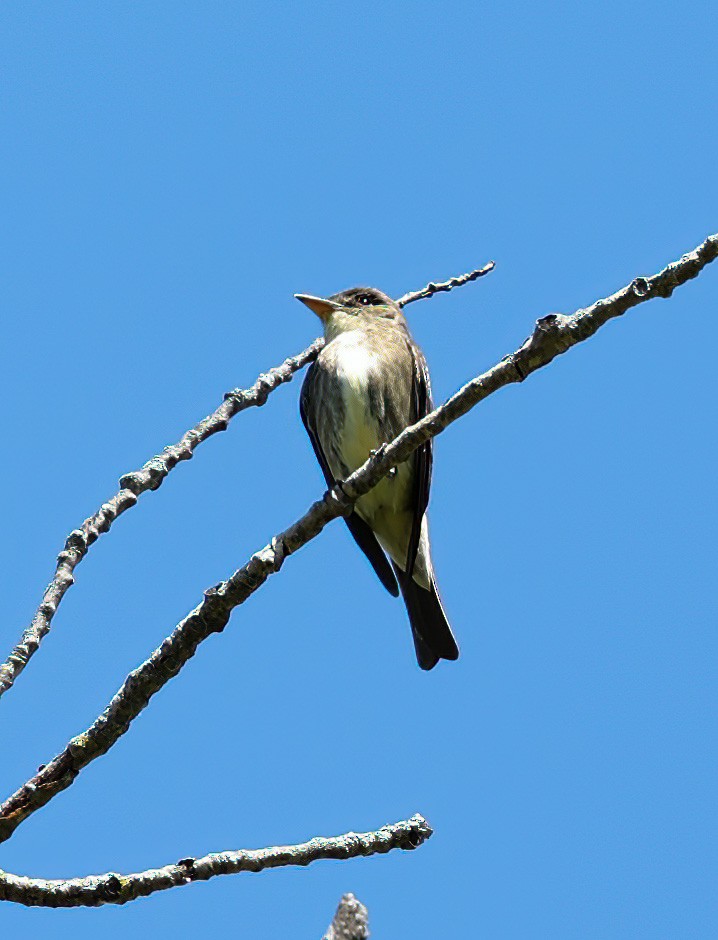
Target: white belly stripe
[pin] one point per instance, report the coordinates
(356, 365)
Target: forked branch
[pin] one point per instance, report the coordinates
(151, 475)
(552, 335)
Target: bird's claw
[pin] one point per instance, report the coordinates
(379, 452)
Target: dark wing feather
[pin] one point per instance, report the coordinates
(304, 411)
(421, 406)
(366, 540)
(363, 535)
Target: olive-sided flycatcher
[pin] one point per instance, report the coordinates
(369, 382)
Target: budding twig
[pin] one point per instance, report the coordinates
(433, 288)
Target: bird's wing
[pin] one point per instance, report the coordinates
(363, 535)
(366, 540)
(421, 406)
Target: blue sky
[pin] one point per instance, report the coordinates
(171, 174)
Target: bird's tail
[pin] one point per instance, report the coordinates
(433, 638)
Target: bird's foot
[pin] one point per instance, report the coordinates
(379, 452)
(338, 493)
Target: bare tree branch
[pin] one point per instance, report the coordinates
(94, 890)
(150, 477)
(351, 921)
(434, 288)
(553, 334)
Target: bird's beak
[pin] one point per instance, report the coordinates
(320, 305)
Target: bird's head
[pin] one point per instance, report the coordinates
(350, 309)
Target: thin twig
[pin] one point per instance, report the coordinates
(111, 888)
(433, 288)
(553, 334)
(151, 476)
(350, 922)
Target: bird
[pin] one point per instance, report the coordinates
(368, 383)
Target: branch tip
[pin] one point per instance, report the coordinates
(433, 288)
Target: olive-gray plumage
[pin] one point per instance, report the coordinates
(368, 383)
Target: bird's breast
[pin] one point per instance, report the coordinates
(355, 418)
(356, 374)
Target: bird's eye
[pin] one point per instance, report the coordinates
(365, 300)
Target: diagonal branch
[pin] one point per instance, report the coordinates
(150, 477)
(553, 334)
(94, 890)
